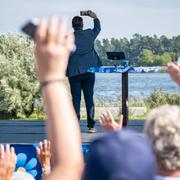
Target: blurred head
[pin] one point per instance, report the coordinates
(77, 23)
(163, 129)
(121, 155)
(19, 175)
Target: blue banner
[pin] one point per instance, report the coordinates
(122, 69)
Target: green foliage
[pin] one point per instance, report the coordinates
(141, 50)
(18, 83)
(160, 97)
(147, 58)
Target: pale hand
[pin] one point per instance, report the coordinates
(53, 47)
(44, 153)
(107, 121)
(7, 162)
(174, 71)
(92, 14)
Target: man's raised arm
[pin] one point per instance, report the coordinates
(97, 25)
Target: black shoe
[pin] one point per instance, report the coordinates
(92, 130)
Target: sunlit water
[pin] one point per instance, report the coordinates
(108, 85)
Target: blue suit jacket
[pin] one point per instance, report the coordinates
(85, 55)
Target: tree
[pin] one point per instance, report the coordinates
(146, 58)
(19, 86)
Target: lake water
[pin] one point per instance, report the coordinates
(108, 85)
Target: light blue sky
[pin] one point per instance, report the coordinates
(120, 18)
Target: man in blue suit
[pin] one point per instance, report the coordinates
(80, 61)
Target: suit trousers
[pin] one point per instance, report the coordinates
(83, 82)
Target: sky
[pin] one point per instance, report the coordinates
(119, 18)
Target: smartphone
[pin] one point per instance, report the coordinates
(30, 27)
(84, 13)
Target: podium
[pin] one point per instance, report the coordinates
(124, 69)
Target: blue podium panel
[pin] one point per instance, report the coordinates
(121, 69)
(27, 160)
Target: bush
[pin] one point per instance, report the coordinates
(18, 83)
(160, 97)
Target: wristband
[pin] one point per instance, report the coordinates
(46, 171)
(45, 83)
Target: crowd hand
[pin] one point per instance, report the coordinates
(44, 155)
(53, 47)
(174, 71)
(7, 162)
(107, 121)
(92, 14)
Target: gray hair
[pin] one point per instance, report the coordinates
(163, 129)
(19, 175)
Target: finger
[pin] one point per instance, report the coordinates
(52, 30)
(120, 121)
(104, 115)
(38, 151)
(69, 42)
(49, 146)
(41, 146)
(41, 32)
(110, 116)
(2, 151)
(12, 152)
(45, 145)
(103, 119)
(7, 153)
(107, 117)
(13, 155)
(62, 29)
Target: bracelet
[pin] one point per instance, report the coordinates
(46, 170)
(45, 83)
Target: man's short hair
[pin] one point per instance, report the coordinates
(77, 22)
(163, 129)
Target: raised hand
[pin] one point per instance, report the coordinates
(44, 156)
(174, 71)
(92, 14)
(53, 47)
(7, 162)
(107, 121)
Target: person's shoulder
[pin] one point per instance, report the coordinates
(89, 30)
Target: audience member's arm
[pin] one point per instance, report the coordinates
(107, 121)
(174, 71)
(7, 162)
(53, 47)
(97, 25)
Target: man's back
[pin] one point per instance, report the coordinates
(85, 55)
(84, 41)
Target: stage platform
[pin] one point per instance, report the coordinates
(33, 131)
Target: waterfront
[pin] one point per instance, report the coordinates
(108, 85)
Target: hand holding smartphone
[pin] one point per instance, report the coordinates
(30, 27)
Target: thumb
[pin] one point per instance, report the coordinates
(120, 121)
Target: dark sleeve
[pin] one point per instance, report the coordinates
(97, 27)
